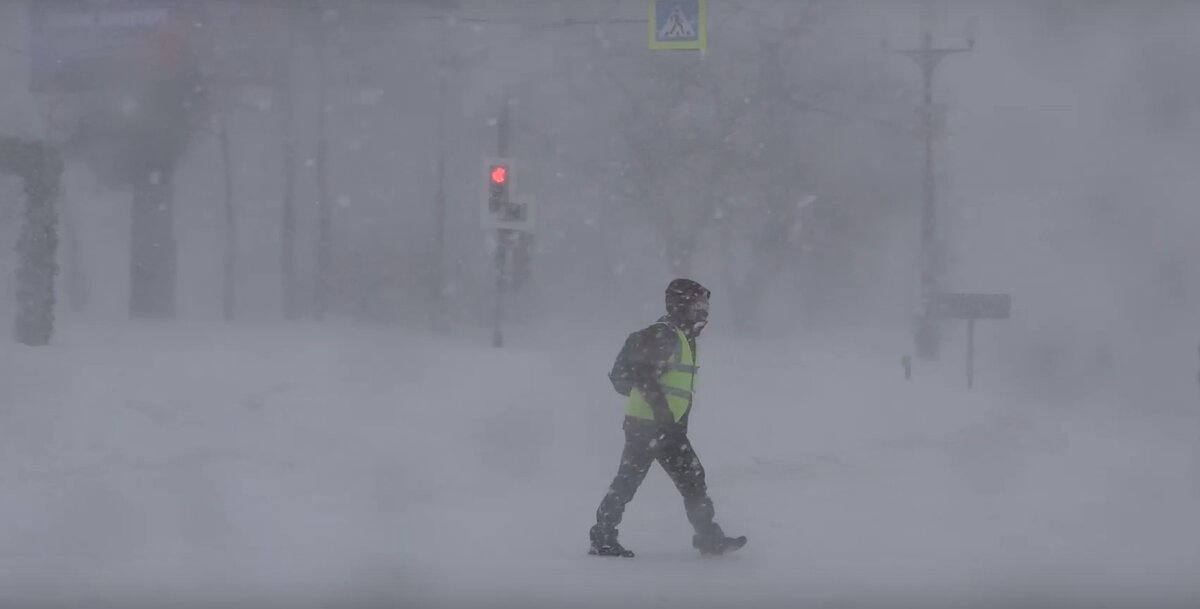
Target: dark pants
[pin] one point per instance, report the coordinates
(645, 443)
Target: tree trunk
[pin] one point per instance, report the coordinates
(287, 229)
(228, 295)
(729, 276)
(75, 276)
(152, 264)
(37, 245)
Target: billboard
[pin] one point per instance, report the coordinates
(85, 45)
(81, 46)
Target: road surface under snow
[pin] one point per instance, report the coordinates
(331, 464)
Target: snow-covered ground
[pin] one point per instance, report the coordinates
(241, 463)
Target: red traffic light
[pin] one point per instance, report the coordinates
(499, 174)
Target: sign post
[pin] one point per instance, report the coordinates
(970, 307)
(970, 353)
(678, 24)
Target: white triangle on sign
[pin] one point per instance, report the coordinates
(677, 26)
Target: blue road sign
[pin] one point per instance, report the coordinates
(678, 24)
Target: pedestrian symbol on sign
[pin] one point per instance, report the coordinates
(677, 24)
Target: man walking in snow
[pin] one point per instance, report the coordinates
(656, 369)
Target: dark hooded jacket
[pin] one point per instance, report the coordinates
(647, 352)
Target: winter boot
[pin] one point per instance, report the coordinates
(717, 543)
(604, 543)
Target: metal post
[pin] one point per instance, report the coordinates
(502, 236)
(498, 310)
(970, 353)
(927, 59)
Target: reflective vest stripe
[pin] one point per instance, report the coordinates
(683, 368)
(682, 393)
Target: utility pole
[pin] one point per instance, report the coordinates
(927, 58)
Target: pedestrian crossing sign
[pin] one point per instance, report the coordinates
(677, 24)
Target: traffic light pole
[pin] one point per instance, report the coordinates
(502, 235)
(927, 333)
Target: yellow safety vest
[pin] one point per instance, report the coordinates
(677, 383)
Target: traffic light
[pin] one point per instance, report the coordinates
(502, 205)
(499, 174)
(498, 187)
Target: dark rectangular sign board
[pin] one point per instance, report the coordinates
(82, 46)
(948, 305)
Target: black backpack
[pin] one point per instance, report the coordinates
(621, 375)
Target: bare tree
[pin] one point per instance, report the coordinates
(683, 152)
(742, 140)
